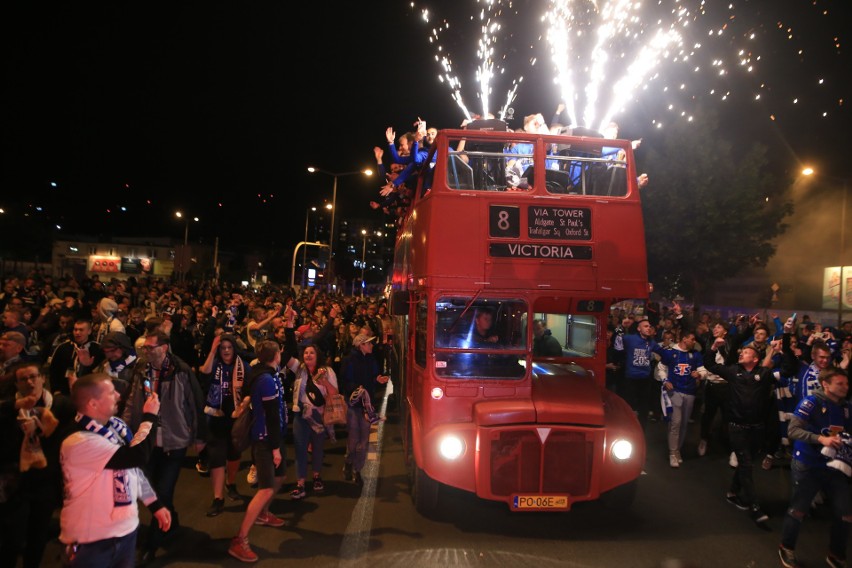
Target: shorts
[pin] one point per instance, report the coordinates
(261, 453)
(220, 448)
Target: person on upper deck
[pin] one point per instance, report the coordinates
(611, 132)
(515, 167)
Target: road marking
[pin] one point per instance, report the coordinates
(356, 540)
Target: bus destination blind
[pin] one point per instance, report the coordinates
(535, 250)
(559, 223)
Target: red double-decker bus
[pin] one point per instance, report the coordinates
(505, 268)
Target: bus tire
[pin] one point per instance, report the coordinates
(424, 489)
(424, 493)
(621, 498)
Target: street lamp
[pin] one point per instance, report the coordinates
(810, 172)
(363, 258)
(180, 215)
(364, 234)
(333, 210)
(305, 251)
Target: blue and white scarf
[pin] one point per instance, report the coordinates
(227, 380)
(840, 459)
(117, 432)
(116, 367)
(666, 404)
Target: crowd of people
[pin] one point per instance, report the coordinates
(107, 387)
(781, 390)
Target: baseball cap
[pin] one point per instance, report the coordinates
(360, 339)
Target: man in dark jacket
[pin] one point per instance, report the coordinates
(544, 344)
(360, 381)
(182, 423)
(750, 389)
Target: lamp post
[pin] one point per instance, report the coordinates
(810, 172)
(180, 215)
(363, 258)
(305, 251)
(335, 175)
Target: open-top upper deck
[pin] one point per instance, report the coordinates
(504, 210)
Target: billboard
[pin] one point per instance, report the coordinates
(136, 265)
(834, 287)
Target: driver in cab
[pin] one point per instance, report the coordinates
(482, 336)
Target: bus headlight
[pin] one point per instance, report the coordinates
(622, 450)
(451, 447)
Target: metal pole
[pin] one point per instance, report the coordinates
(305, 252)
(216, 261)
(183, 256)
(363, 257)
(330, 268)
(842, 256)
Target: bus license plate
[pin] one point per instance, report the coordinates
(541, 502)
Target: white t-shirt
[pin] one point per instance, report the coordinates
(99, 503)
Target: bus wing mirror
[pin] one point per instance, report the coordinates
(399, 303)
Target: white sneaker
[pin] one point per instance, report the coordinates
(673, 460)
(678, 456)
(251, 476)
(702, 448)
(732, 461)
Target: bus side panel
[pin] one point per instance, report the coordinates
(628, 277)
(453, 253)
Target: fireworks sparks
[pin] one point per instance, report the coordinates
(672, 56)
(488, 68)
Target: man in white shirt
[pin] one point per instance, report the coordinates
(100, 464)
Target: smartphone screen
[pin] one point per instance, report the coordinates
(146, 385)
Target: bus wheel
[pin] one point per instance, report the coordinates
(622, 497)
(424, 493)
(424, 489)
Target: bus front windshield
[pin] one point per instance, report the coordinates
(465, 327)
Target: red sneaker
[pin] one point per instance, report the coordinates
(269, 520)
(241, 550)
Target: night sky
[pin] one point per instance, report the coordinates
(218, 109)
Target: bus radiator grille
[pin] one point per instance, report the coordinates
(520, 463)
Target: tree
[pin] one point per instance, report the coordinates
(711, 210)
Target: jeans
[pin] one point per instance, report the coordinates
(637, 393)
(681, 411)
(358, 437)
(715, 398)
(806, 482)
(303, 434)
(117, 552)
(162, 471)
(746, 441)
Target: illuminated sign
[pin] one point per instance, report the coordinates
(104, 263)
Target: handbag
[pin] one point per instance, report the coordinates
(241, 428)
(335, 410)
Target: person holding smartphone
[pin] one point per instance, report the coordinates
(182, 426)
